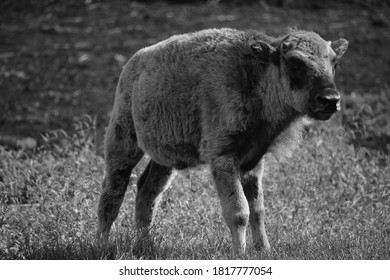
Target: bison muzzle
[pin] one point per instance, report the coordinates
(220, 97)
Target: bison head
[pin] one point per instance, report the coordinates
(309, 64)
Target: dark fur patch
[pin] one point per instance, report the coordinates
(298, 73)
(181, 165)
(124, 172)
(249, 184)
(241, 222)
(119, 134)
(250, 146)
(189, 150)
(122, 178)
(108, 207)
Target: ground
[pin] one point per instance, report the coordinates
(58, 73)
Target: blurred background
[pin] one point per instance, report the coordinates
(60, 60)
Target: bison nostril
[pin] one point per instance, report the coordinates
(328, 102)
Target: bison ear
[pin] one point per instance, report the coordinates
(263, 51)
(339, 47)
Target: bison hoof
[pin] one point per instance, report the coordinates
(263, 247)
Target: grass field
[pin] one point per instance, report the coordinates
(330, 200)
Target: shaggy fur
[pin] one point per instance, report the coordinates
(220, 97)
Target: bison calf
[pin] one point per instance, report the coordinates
(220, 97)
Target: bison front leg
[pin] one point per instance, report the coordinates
(252, 184)
(234, 205)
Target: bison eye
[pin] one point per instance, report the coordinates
(298, 72)
(295, 65)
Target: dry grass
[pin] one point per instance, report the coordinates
(329, 201)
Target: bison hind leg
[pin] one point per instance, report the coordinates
(121, 155)
(151, 184)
